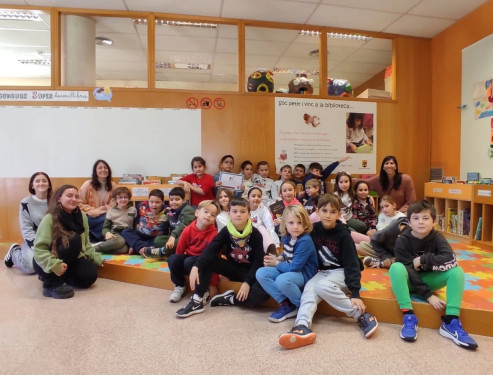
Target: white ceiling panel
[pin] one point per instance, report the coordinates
(352, 18)
(106, 54)
(265, 48)
(195, 7)
(227, 45)
(86, 4)
(114, 25)
(397, 6)
(226, 59)
(418, 26)
(269, 34)
(184, 57)
(27, 38)
(272, 10)
(451, 9)
(185, 44)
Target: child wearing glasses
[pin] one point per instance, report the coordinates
(118, 218)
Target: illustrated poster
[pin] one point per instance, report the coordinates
(309, 130)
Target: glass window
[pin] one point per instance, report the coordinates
(25, 50)
(359, 66)
(196, 56)
(285, 53)
(103, 51)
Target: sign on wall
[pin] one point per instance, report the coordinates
(315, 130)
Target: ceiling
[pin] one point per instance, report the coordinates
(124, 63)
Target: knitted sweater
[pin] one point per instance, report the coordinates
(91, 202)
(31, 212)
(42, 246)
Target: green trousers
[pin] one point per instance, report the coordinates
(453, 279)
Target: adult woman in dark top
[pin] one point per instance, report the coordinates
(394, 183)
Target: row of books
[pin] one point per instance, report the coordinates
(138, 179)
(455, 221)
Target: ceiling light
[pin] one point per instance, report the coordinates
(103, 41)
(349, 36)
(336, 35)
(143, 21)
(19, 15)
(191, 66)
(43, 62)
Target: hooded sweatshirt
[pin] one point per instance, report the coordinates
(435, 255)
(336, 249)
(383, 241)
(193, 240)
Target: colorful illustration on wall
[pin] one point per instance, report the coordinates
(102, 93)
(483, 99)
(491, 138)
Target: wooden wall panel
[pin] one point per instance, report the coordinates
(446, 85)
(245, 126)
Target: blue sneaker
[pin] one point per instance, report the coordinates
(409, 331)
(457, 334)
(284, 312)
(368, 324)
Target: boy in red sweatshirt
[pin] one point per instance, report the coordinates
(192, 241)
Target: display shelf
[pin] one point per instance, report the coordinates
(460, 207)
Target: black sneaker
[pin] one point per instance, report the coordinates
(368, 324)
(224, 299)
(192, 307)
(297, 337)
(8, 257)
(59, 292)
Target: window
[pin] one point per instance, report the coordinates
(196, 55)
(25, 50)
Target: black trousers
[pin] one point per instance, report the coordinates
(179, 266)
(235, 272)
(81, 273)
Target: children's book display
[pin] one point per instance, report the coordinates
(277, 208)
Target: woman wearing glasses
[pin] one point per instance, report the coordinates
(119, 217)
(95, 196)
(394, 183)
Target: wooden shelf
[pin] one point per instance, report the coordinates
(453, 198)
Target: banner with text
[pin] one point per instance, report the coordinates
(316, 130)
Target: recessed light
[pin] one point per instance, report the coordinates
(103, 41)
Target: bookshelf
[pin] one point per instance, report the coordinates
(460, 207)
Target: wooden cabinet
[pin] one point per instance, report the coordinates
(464, 211)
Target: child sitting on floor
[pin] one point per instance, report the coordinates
(340, 273)
(121, 216)
(193, 241)
(150, 224)
(241, 243)
(284, 276)
(424, 263)
(179, 215)
(313, 188)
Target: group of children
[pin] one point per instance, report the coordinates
(234, 234)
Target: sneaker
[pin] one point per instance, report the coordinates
(177, 294)
(297, 337)
(409, 331)
(457, 334)
(284, 312)
(368, 324)
(371, 262)
(8, 257)
(153, 252)
(206, 298)
(192, 307)
(224, 299)
(60, 292)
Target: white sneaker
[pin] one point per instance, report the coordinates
(177, 294)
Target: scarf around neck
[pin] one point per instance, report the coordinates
(234, 232)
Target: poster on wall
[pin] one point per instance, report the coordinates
(483, 99)
(316, 130)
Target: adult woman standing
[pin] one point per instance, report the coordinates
(95, 196)
(394, 183)
(31, 211)
(63, 255)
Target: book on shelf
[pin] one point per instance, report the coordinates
(277, 208)
(477, 236)
(466, 225)
(451, 220)
(440, 224)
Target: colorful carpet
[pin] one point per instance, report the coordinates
(477, 265)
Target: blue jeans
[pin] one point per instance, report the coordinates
(281, 285)
(96, 227)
